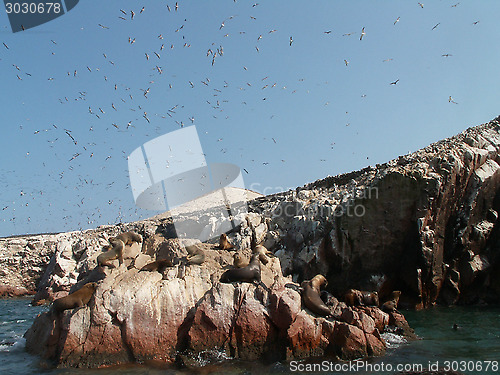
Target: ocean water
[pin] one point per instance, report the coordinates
(472, 348)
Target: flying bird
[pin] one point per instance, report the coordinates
(397, 20)
(395, 82)
(291, 41)
(362, 33)
(436, 25)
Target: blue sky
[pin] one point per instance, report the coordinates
(287, 114)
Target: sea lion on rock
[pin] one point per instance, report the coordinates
(247, 274)
(263, 253)
(115, 251)
(239, 261)
(128, 238)
(392, 304)
(196, 255)
(76, 299)
(311, 295)
(158, 265)
(354, 297)
(224, 243)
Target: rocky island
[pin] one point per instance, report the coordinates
(424, 224)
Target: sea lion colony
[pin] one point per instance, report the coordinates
(243, 271)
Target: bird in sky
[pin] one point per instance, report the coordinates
(436, 25)
(421, 5)
(395, 82)
(450, 100)
(291, 41)
(397, 20)
(362, 33)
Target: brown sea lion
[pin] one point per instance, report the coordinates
(115, 251)
(158, 265)
(128, 238)
(239, 261)
(311, 295)
(392, 304)
(76, 299)
(263, 253)
(196, 255)
(224, 243)
(247, 274)
(354, 297)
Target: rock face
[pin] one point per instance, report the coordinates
(141, 316)
(425, 224)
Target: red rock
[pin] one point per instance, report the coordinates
(380, 318)
(8, 291)
(375, 344)
(350, 341)
(285, 305)
(367, 322)
(304, 336)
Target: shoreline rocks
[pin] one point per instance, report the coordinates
(140, 317)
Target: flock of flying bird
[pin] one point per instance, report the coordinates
(213, 52)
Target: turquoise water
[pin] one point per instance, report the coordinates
(476, 341)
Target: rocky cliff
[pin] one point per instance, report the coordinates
(425, 223)
(183, 314)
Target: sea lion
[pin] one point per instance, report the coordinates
(115, 251)
(128, 238)
(76, 299)
(239, 261)
(311, 295)
(263, 253)
(392, 304)
(224, 243)
(247, 274)
(196, 255)
(354, 297)
(158, 265)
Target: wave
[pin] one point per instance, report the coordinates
(392, 340)
(14, 346)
